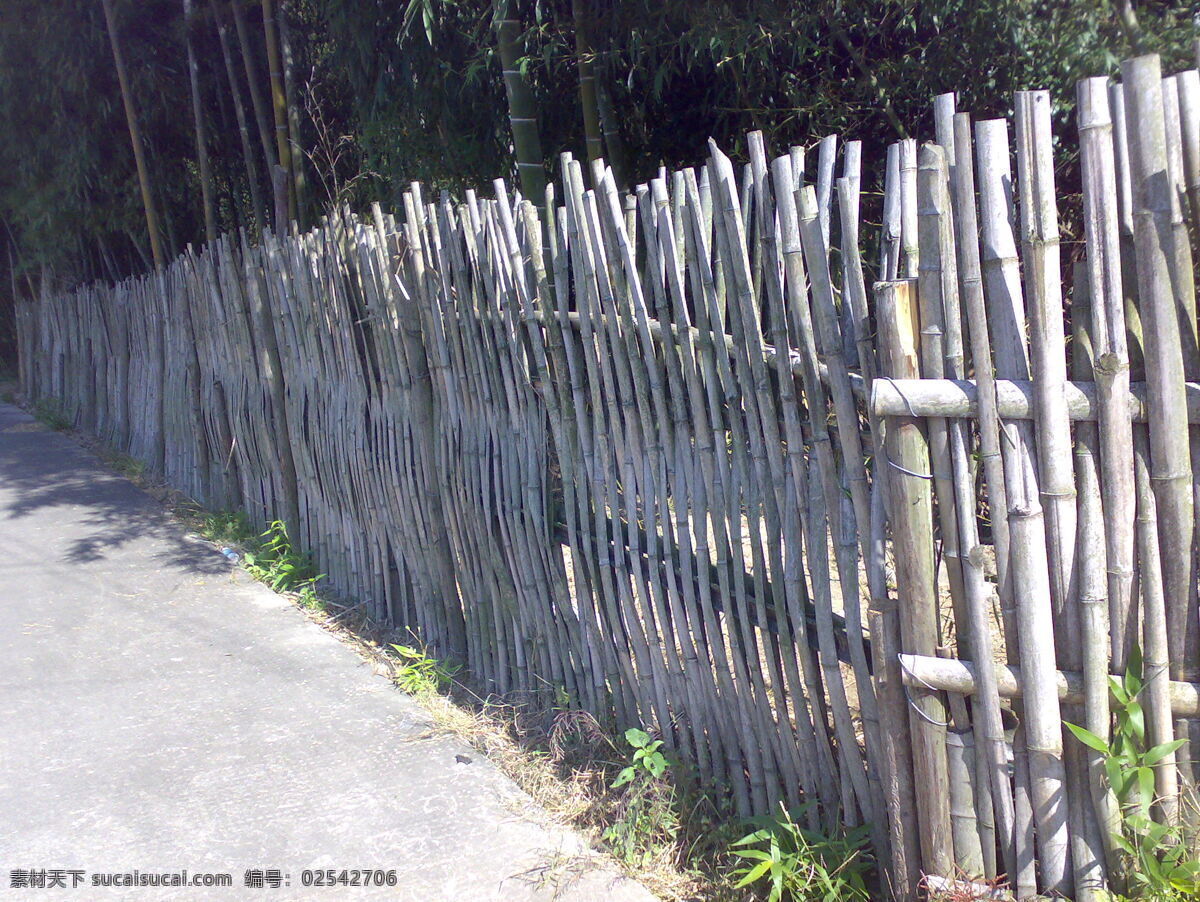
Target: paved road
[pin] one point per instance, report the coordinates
(160, 711)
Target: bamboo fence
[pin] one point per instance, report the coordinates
(666, 455)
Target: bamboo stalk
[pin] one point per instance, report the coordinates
(1091, 561)
(1163, 301)
(1111, 355)
(912, 538)
(1027, 531)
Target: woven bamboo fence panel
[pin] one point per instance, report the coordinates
(834, 521)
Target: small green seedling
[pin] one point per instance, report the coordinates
(646, 758)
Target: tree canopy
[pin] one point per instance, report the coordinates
(378, 93)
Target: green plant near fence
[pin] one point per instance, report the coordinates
(280, 565)
(647, 822)
(1160, 856)
(788, 861)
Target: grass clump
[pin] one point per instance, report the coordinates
(129, 467)
(788, 861)
(49, 412)
(226, 528)
(418, 673)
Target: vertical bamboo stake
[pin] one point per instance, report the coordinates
(1184, 657)
(912, 531)
(1109, 366)
(1027, 532)
(1129, 277)
(1159, 727)
(1188, 86)
(1171, 472)
(1013, 825)
(909, 244)
(1093, 603)
(1039, 227)
(889, 236)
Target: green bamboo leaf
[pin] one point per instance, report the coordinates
(1161, 751)
(753, 874)
(1088, 738)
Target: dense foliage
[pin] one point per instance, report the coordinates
(389, 91)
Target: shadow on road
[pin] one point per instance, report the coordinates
(42, 469)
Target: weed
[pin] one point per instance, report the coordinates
(50, 412)
(309, 599)
(127, 466)
(647, 824)
(806, 865)
(421, 674)
(226, 528)
(1160, 860)
(279, 565)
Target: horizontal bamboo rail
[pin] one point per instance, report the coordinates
(951, 675)
(1014, 398)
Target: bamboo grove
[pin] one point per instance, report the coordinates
(667, 454)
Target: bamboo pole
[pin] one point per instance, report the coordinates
(206, 186)
(135, 138)
(912, 536)
(521, 105)
(1027, 531)
(1111, 368)
(1091, 562)
(1163, 302)
(937, 275)
(894, 756)
(239, 109)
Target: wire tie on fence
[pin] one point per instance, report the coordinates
(921, 714)
(903, 397)
(905, 471)
(1045, 494)
(1004, 432)
(908, 694)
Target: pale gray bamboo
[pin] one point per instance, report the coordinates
(912, 537)
(1027, 531)
(1166, 357)
(1111, 370)
(1092, 582)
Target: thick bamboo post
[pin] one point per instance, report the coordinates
(912, 531)
(938, 280)
(1170, 454)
